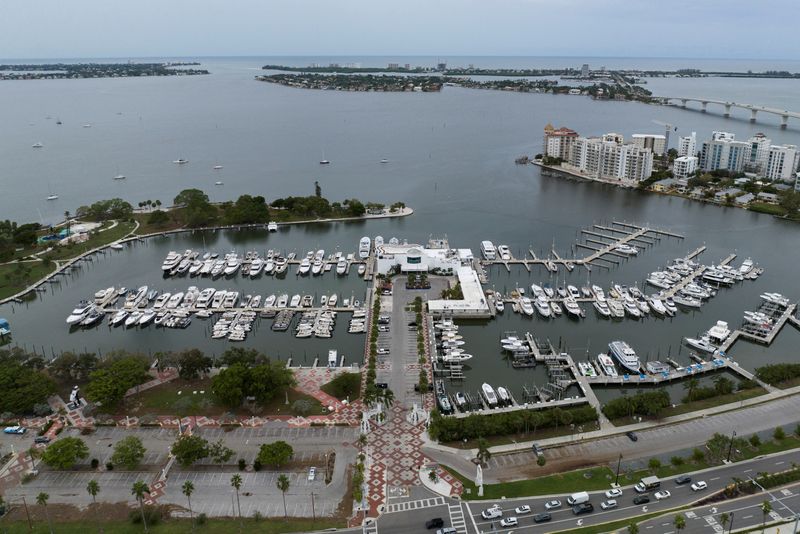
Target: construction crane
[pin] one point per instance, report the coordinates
(667, 129)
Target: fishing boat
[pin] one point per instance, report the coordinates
(719, 332)
(489, 395)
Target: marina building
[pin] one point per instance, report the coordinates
(411, 258)
(781, 162)
(657, 143)
(473, 303)
(759, 151)
(723, 152)
(684, 167)
(558, 142)
(607, 158)
(687, 146)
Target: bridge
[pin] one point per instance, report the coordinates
(754, 109)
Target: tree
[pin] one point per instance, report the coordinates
(723, 520)
(93, 488)
(690, 386)
(633, 528)
(283, 485)
(193, 363)
(654, 464)
(189, 449)
(188, 489)
(128, 452)
(230, 384)
(355, 208)
(108, 386)
(41, 500)
(484, 454)
(22, 387)
(362, 441)
(158, 218)
(679, 522)
(236, 483)
(190, 197)
(65, 452)
(138, 490)
(67, 220)
(344, 385)
(766, 508)
(275, 454)
(317, 189)
(779, 434)
(219, 453)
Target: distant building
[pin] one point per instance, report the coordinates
(558, 143)
(613, 137)
(723, 152)
(585, 70)
(394, 66)
(606, 159)
(722, 196)
(781, 162)
(687, 146)
(655, 142)
(759, 151)
(721, 136)
(771, 198)
(742, 200)
(667, 184)
(684, 167)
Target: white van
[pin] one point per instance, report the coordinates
(578, 498)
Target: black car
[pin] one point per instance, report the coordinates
(381, 385)
(632, 436)
(436, 522)
(42, 439)
(641, 499)
(683, 479)
(542, 518)
(583, 508)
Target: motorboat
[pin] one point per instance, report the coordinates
(702, 343)
(686, 301)
(95, 316)
(488, 250)
(461, 400)
(333, 300)
(171, 261)
(341, 266)
(659, 281)
(586, 369)
(364, 247)
(304, 267)
(669, 304)
(256, 267)
(628, 250)
(79, 312)
(133, 318)
(573, 292)
(218, 268)
(118, 318)
(316, 267)
(161, 300)
(555, 307)
(116, 246)
(499, 305)
(232, 264)
(642, 304)
(459, 357)
(147, 316)
(174, 301)
(573, 309)
(548, 290)
(719, 332)
(759, 319)
(561, 291)
(489, 395)
(631, 309)
(537, 291)
(526, 306)
(231, 298)
(195, 267)
(625, 355)
(775, 298)
(283, 301)
(104, 295)
(616, 308)
(281, 264)
(504, 252)
(204, 299)
(272, 226)
(37, 145)
(598, 292)
(503, 396)
(607, 365)
(657, 306)
(569, 265)
(543, 307)
(181, 161)
(602, 308)
(295, 302)
(746, 266)
(269, 301)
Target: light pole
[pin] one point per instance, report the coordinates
(619, 461)
(730, 529)
(730, 446)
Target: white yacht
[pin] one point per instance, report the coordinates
(503, 396)
(256, 267)
(625, 355)
(702, 343)
(232, 264)
(133, 318)
(341, 266)
(174, 301)
(627, 250)
(719, 332)
(657, 306)
(746, 266)
(281, 264)
(316, 267)
(687, 301)
(269, 301)
(333, 300)
(364, 247)
(283, 301)
(543, 307)
(295, 302)
(572, 308)
(499, 305)
(79, 312)
(607, 365)
(573, 292)
(118, 318)
(602, 307)
(631, 309)
(161, 300)
(205, 297)
(504, 252)
(556, 308)
(526, 306)
(272, 226)
(304, 267)
(598, 292)
(171, 261)
(616, 308)
(488, 250)
(181, 161)
(538, 291)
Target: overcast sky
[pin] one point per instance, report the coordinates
(629, 28)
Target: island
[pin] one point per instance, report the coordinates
(57, 71)
(359, 83)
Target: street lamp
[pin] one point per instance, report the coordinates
(730, 529)
(619, 461)
(730, 446)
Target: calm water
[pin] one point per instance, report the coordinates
(451, 159)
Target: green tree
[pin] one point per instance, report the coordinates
(41, 500)
(108, 386)
(128, 452)
(236, 483)
(190, 197)
(484, 454)
(362, 441)
(219, 453)
(193, 363)
(344, 385)
(766, 508)
(189, 449)
(779, 434)
(317, 189)
(679, 522)
(68, 220)
(690, 386)
(275, 454)
(355, 208)
(188, 489)
(93, 488)
(138, 490)
(386, 396)
(283, 485)
(22, 387)
(65, 452)
(633, 528)
(654, 464)
(229, 386)
(723, 520)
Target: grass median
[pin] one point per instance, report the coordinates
(176, 526)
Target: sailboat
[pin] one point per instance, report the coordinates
(217, 167)
(51, 196)
(119, 175)
(324, 161)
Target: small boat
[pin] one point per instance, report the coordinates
(499, 305)
(52, 197)
(631, 309)
(384, 160)
(324, 162)
(555, 307)
(181, 161)
(272, 226)
(562, 292)
(115, 246)
(295, 302)
(37, 145)
(627, 250)
(79, 312)
(118, 318)
(217, 167)
(461, 400)
(147, 316)
(218, 182)
(304, 267)
(602, 308)
(362, 269)
(333, 300)
(543, 307)
(119, 177)
(489, 395)
(503, 397)
(702, 343)
(573, 309)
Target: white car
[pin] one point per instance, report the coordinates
(661, 495)
(609, 504)
(552, 505)
(312, 474)
(525, 509)
(16, 429)
(509, 522)
(614, 493)
(699, 485)
(492, 513)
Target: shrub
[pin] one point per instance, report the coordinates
(654, 464)
(256, 465)
(649, 403)
(202, 519)
(151, 513)
(698, 455)
(754, 440)
(242, 464)
(540, 461)
(676, 461)
(95, 463)
(109, 466)
(778, 372)
(779, 433)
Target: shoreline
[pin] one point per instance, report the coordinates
(133, 236)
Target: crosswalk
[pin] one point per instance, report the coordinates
(415, 505)
(457, 520)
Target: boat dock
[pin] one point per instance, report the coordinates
(677, 373)
(781, 316)
(563, 403)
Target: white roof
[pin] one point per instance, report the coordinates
(474, 299)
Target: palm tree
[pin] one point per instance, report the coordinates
(633, 528)
(679, 522)
(690, 386)
(41, 500)
(387, 397)
(766, 508)
(283, 485)
(236, 482)
(138, 490)
(362, 441)
(93, 488)
(484, 454)
(158, 203)
(67, 219)
(723, 520)
(33, 454)
(188, 489)
(557, 414)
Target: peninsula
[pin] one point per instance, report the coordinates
(55, 71)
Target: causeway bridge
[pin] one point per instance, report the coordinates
(754, 109)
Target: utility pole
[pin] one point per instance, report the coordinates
(619, 461)
(730, 529)
(313, 512)
(730, 447)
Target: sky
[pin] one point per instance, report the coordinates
(610, 28)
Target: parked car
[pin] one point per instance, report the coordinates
(683, 479)
(492, 513)
(552, 505)
(383, 350)
(614, 493)
(641, 499)
(609, 504)
(14, 430)
(509, 522)
(699, 485)
(312, 474)
(542, 518)
(536, 450)
(447, 530)
(661, 495)
(382, 385)
(383, 328)
(42, 439)
(436, 522)
(632, 435)
(524, 509)
(583, 508)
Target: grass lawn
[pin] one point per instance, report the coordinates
(516, 438)
(772, 446)
(179, 398)
(764, 207)
(95, 240)
(788, 384)
(344, 386)
(178, 526)
(17, 276)
(145, 228)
